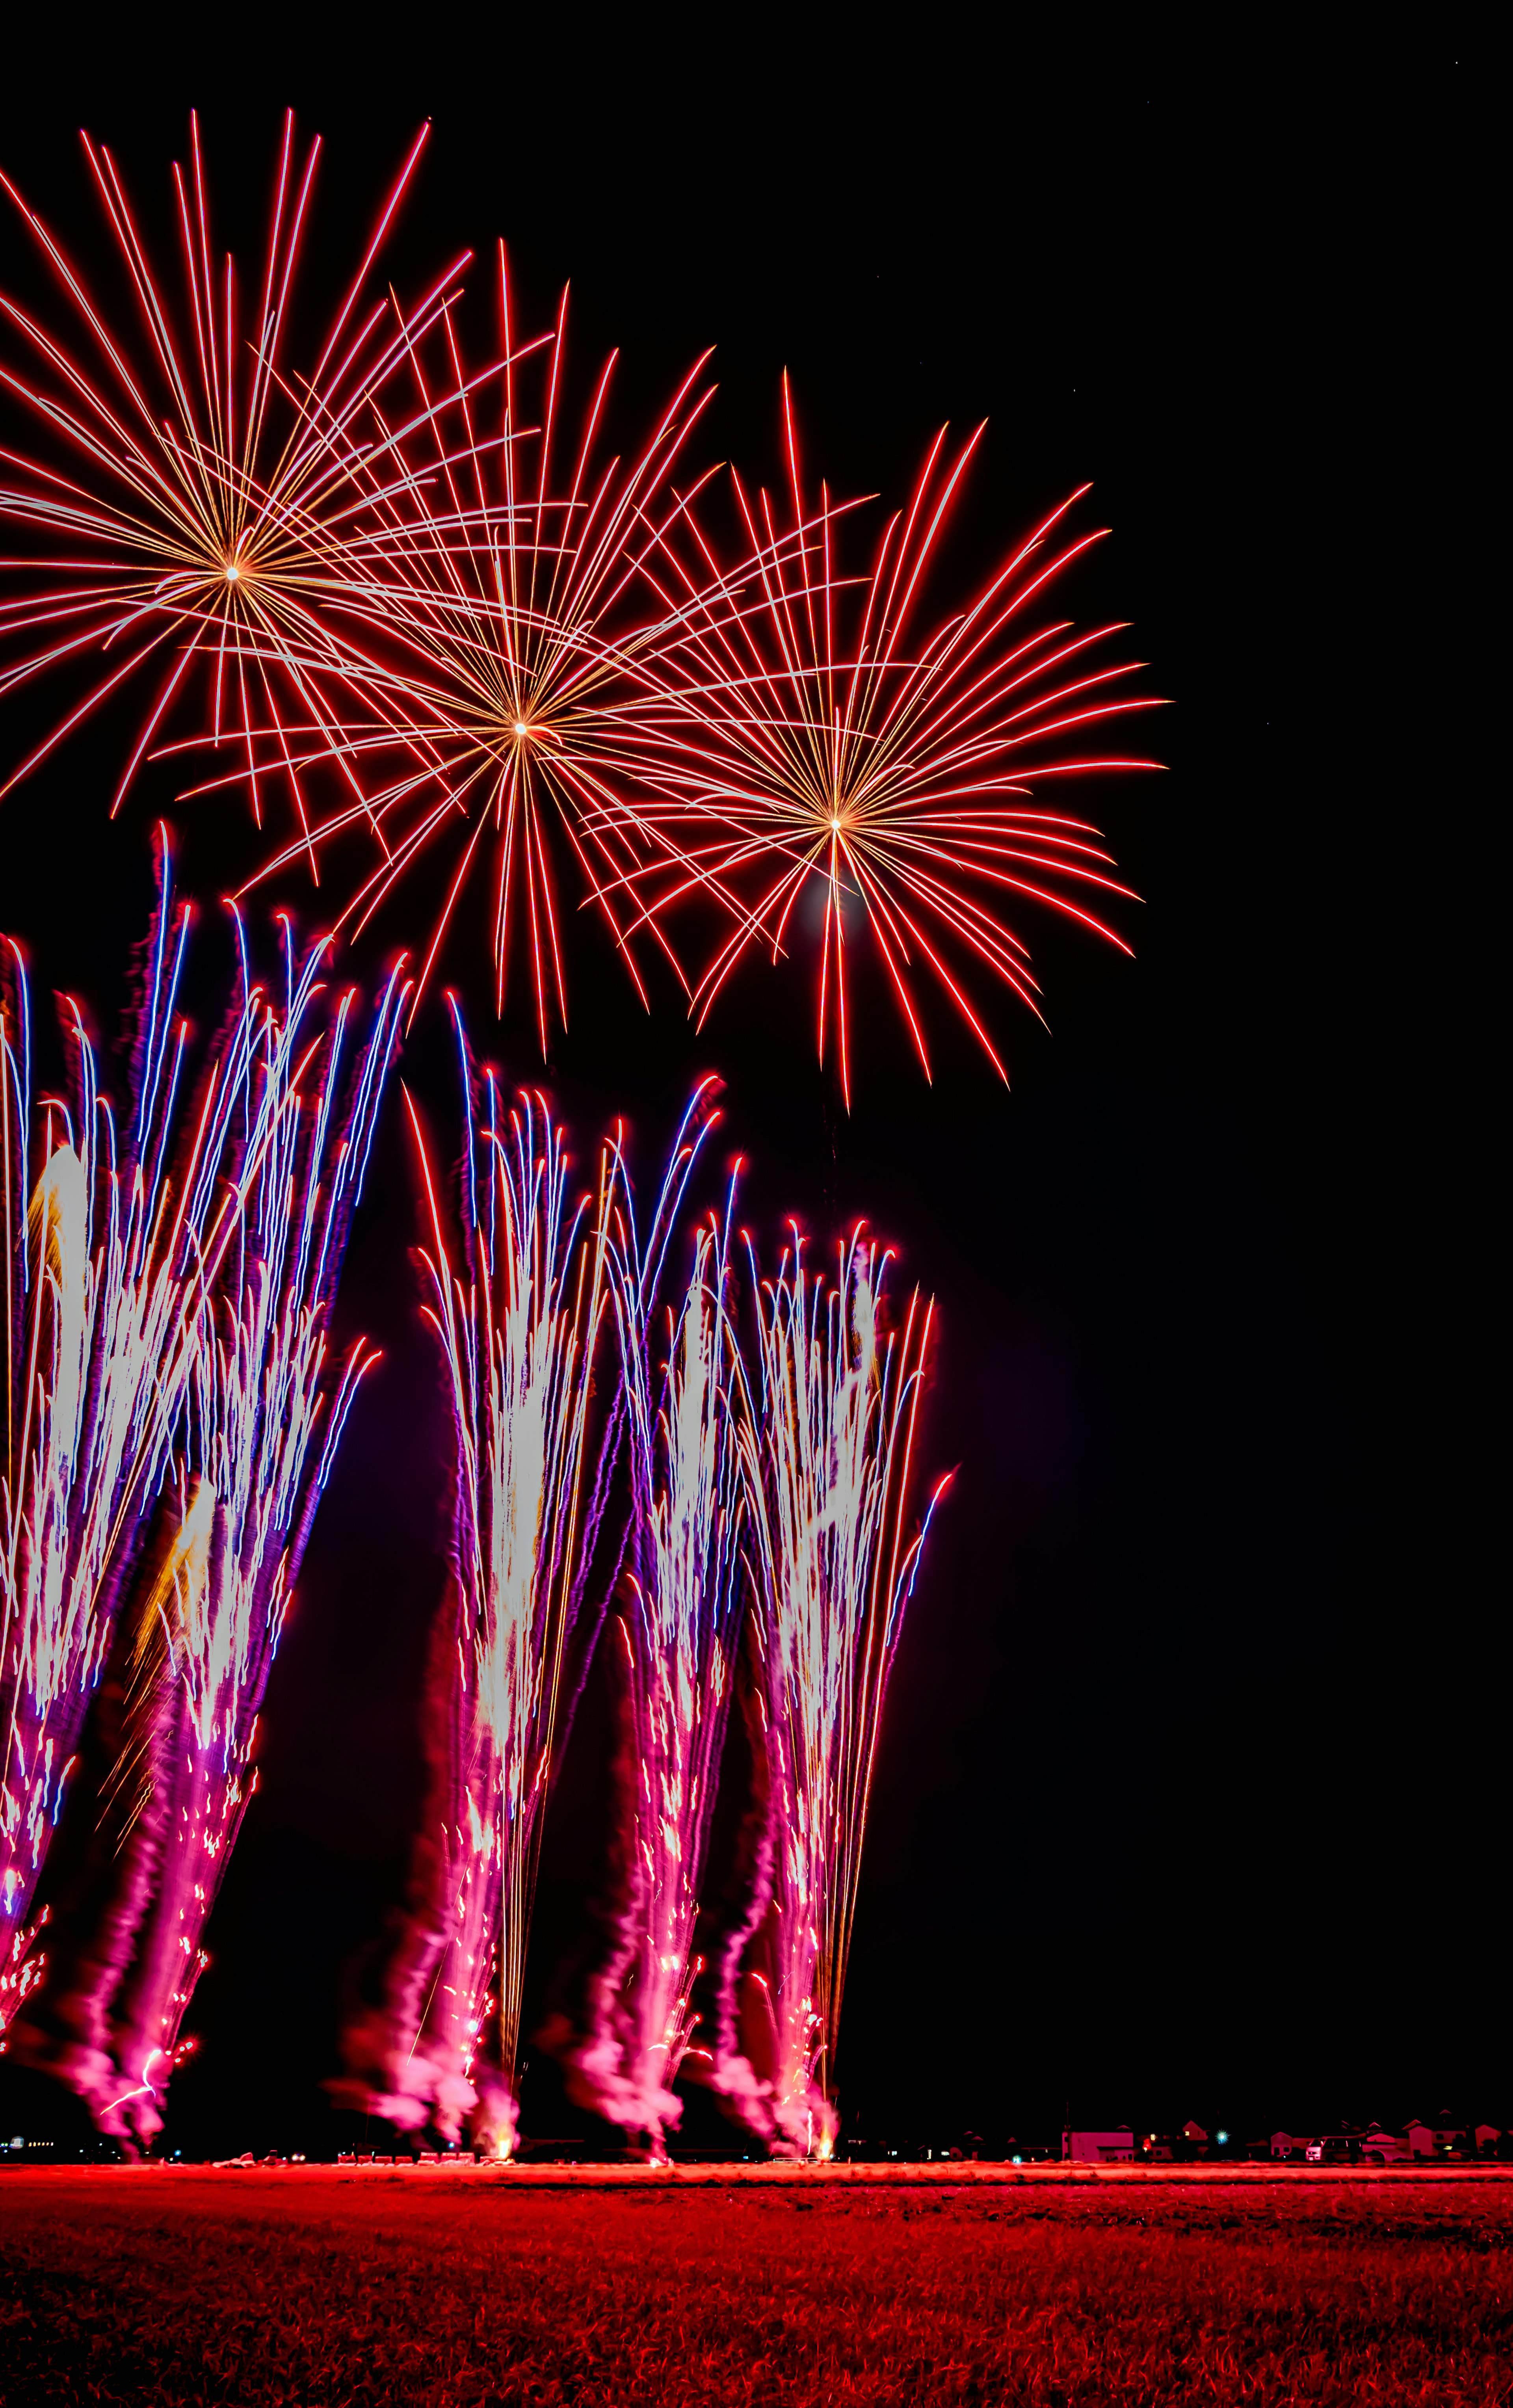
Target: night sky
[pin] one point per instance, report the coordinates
(1191, 1797)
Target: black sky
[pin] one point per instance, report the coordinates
(1191, 1795)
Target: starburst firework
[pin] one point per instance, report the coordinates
(518, 649)
(811, 747)
(195, 505)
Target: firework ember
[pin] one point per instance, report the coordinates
(827, 1450)
(674, 1635)
(518, 1326)
(193, 507)
(814, 750)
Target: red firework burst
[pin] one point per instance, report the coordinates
(518, 651)
(193, 507)
(806, 742)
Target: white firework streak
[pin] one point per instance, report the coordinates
(679, 1603)
(827, 1452)
(518, 1332)
(109, 1253)
(266, 1408)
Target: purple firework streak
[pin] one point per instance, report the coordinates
(111, 1242)
(254, 1415)
(265, 1410)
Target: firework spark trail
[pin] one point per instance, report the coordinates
(518, 1329)
(809, 746)
(677, 1628)
(265, 1410)
(111, 1247)
(506, 602)
(827, 1452)
(200, 495)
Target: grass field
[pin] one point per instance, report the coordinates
(187, 2287)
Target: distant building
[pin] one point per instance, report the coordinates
(1379, 2147)
(1434, 2138)
(1098, 2149)
(1487, 2138)
(1291, 2144)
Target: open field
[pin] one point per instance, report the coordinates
(369, 2287)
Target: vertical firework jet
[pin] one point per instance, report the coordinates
(676, 1627)
(265, 1412)
(112, 1245)
(827, 1452)
(518, 1327)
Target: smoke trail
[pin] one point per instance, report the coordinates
(674, 1631)
(731, 1991)
(827, 1452)
(518, 1330)
(111, 1243)
(101, 1866)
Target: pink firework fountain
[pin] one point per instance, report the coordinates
(675, 1636)
(518, 1327)
(113, 1245)
(827, 1446)
(266, 1408)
